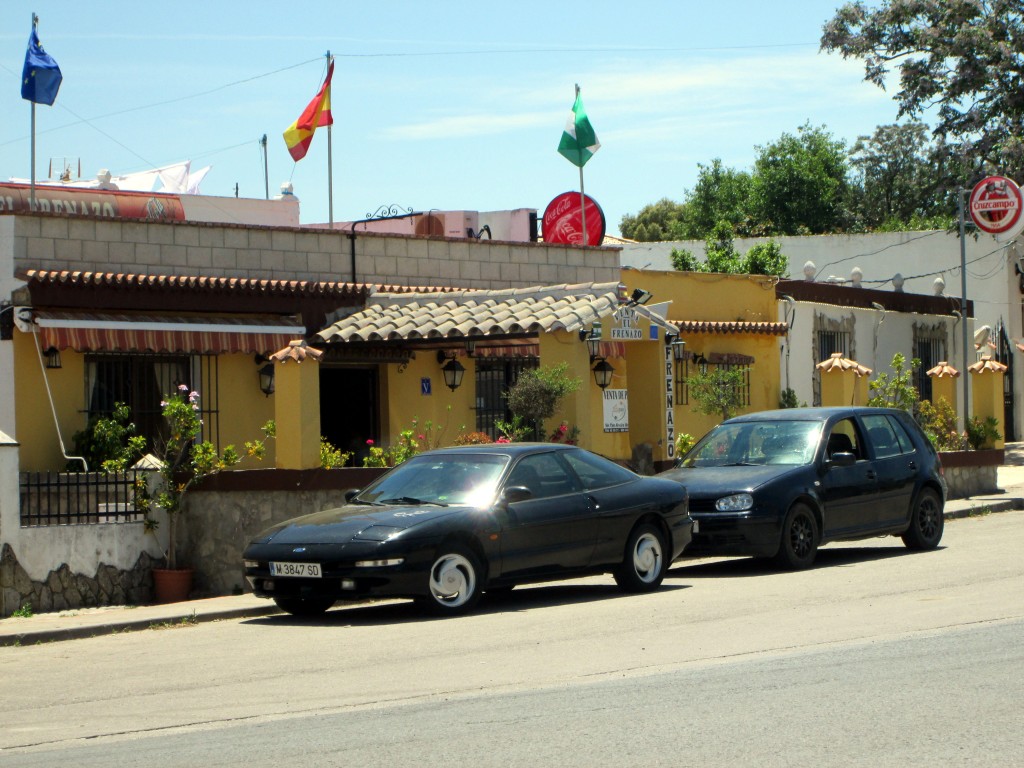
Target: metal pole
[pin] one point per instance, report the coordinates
(963, 302)
(32, 186)
(330, 160)
(266, 174)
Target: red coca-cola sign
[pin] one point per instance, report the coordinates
(996, 204)
(563, 220)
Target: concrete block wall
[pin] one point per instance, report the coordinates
(51, 242)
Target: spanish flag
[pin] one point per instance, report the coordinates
(299, 134)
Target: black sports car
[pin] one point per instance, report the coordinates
(449, 524)
(781, 483)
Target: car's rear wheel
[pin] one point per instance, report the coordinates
(304, 606)
(645, 562)
(454, 581)
(926, 521)
(799, 543)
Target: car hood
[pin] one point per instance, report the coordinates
(712, 482)
(340, 525)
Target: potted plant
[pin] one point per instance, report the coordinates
(182, 462)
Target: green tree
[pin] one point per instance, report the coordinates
(896, 390)
(961, 56)
(799, 183)
(900, 178)
(721, 194)
(656, 222)
(537, 392)
(717, 391)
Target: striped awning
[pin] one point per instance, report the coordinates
(114, 332)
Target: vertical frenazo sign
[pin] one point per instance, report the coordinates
(670, 419)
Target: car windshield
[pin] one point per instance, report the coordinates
(463, 479)
(755, 442)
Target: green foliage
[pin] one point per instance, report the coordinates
(109, 443)
(799, 183)
(537, 392)
(511, 431)
(684, 261)
(184, 462)
(896, 390)
(684, 442)
(720, 195)
(403, 449)
(719, 253)
(983, 433)
(938, 421)
(960, 60)
(24, 612)
(787, 399)
(718, 391)
(765, 259)
(331, 457)
(563, 433)
(472, 438)
(656, 222)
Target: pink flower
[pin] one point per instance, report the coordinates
(420, 437)
(183, 387)
(564, 428)
(503, 440)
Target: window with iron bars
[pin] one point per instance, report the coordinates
(493, 378)
(141, 381)
(684, 369)
(830, 342)
(930, 349)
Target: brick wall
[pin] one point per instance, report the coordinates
(227, 250)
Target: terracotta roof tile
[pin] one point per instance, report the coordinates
(943, 370)
(456, 314)
(988, 364)
(839, 363)
(737, 326)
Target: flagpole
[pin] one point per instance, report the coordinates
(32, 186)
(330, 160)
(583, 199)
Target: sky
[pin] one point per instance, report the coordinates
(449, 105)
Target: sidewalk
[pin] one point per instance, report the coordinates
(89, 622)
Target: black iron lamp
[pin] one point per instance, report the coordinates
(267, 379)
(603, 373)
(451, 370)
(52, 356)
(470, 347)
(678, 350)
(593, 339)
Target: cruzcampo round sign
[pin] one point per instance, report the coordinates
(996, 204)
(563, 220)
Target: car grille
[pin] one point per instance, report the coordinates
(703, 505)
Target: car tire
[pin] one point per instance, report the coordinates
(304, 606)
(926, 521)
(454, 581)
(798, 545)
(645, 562)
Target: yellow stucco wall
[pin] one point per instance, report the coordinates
(439, 416)
(243, 408)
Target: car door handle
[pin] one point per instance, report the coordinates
(593, 502)
(870, 474)
(912, 465)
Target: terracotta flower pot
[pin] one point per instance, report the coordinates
(171, 585)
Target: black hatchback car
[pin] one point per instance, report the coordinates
(781, 483)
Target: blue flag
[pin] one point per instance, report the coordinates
(40, 79)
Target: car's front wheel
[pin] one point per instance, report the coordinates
(799, 543)
(454, 581)
(645, 563)
(926, 521)
(304, 606)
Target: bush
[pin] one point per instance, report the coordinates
(983, 433)
(535, 395)
(939, 423)
(472, 438)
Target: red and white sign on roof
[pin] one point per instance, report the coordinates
(996, 205)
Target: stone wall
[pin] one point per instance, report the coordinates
(50, 242)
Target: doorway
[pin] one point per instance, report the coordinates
(349, 409)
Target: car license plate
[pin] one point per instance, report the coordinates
(300, 570)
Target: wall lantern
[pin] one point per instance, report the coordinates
(678, 350)
(593, 339)
(452, 370)
(701, 363)
(52, 357)
(603, 372)
(470, 347)
(267, 379)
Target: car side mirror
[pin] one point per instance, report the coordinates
(351, 493)
(843, 459)
(516, 493)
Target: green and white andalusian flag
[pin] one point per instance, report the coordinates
(579, 142)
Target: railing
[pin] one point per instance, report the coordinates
(77, 498)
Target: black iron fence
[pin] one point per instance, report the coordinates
(76, 498)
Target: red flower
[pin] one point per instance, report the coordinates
(369, 442)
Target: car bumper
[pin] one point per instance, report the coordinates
(731, 534)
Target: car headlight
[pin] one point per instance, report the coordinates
(738, 502)
(377, 533)
(380, 563)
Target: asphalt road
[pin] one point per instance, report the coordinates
(877, 656)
